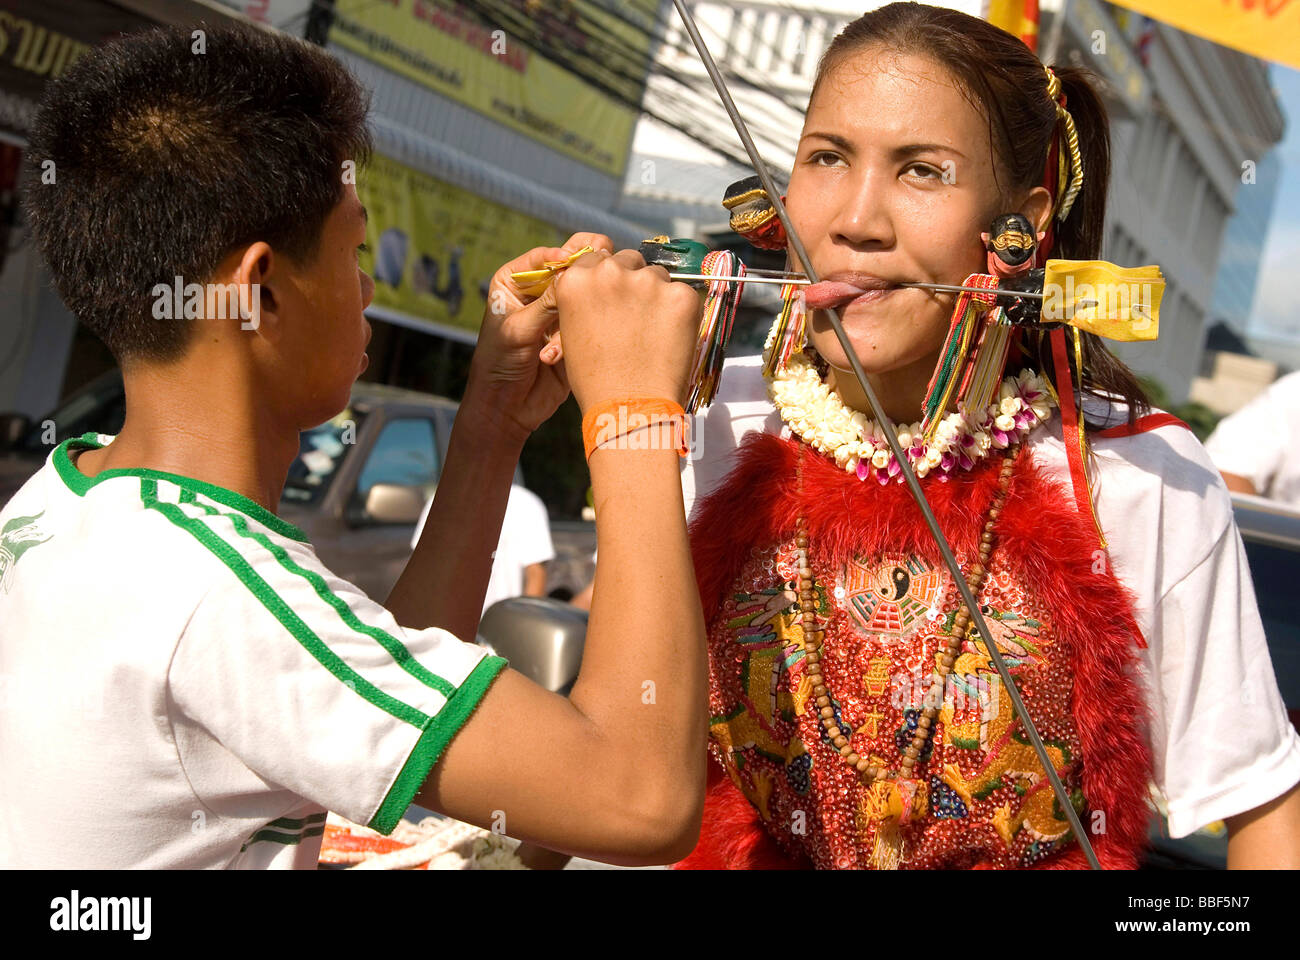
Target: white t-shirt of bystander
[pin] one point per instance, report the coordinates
(1261, 441)
(1221, 741)
(525, 540)
(187, 686)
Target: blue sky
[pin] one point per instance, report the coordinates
(1277, 298)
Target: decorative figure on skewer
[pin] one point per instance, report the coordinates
(1011, 244)
(754, 217)
(752, 214)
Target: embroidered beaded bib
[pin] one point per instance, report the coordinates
(978, 796)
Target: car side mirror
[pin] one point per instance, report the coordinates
(542, 638)
(394, 503)
(12, 428)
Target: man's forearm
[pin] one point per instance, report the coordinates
(644, 670)
(446, 579)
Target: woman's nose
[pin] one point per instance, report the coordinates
(863, 217)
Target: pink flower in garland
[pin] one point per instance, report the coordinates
(1001, 438)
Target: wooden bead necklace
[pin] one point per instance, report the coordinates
(815, 636)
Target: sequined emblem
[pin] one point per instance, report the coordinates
(891, 597)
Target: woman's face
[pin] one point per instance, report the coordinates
(892, 182)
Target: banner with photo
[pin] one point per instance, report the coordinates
(434, 247)
(498, 74)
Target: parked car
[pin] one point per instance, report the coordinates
(98, 407)
(356, 489)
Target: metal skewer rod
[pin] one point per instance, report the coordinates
(887, 427)
(957, 288)
(800, 280)
(745, 279)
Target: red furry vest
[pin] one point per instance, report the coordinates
(782, 797)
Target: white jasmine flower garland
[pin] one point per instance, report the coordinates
(816, 413)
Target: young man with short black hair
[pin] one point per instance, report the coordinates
(195, 687)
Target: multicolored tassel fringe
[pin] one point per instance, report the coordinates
(968, 317)
(788, 334)
(720, 303)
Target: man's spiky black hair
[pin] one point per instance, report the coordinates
(166, 159)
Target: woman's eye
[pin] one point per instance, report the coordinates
(824, 158)
(925, 171)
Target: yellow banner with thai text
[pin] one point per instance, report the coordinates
(495, 71)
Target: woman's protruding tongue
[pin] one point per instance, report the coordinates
(829, 294)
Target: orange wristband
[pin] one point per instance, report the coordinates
(614, 419)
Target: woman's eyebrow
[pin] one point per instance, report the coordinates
(896, 153)
(908, 149)
(832, 138)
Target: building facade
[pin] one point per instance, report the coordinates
(1185, 154)
(1243, 245)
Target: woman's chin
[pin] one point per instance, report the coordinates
(881, 346)
(875, 356)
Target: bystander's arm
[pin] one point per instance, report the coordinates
(535, 580)
(1238, 484)
(1268, 837)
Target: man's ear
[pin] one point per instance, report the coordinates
(258, 275)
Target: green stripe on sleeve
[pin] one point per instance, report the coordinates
(288, 839)
(432, 742)
(281, 610)
(396, 649)
(284, 823)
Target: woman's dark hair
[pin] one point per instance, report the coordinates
(159, 153)
(1006, 83)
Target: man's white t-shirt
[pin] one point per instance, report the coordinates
(1261, 441)
(1221, 740)
(525, 540)
(186, 685)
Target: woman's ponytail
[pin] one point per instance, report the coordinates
(1080, 235)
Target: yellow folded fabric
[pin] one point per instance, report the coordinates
(1119, 303)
